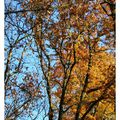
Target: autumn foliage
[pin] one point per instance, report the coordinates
(75, 43)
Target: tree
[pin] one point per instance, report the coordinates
(76, 56)
(23, 81)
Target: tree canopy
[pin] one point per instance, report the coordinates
(60, 60)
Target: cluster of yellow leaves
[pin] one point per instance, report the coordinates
(100, 74)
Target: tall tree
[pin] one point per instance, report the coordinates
(74, 42)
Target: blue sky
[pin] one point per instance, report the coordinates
(31, 63)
